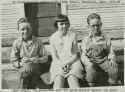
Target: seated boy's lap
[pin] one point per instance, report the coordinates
(33, 68)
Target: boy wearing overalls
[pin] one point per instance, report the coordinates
(97, 52)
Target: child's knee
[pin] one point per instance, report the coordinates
(58, 82)
(29, 68)
(73, 81)
(72, 78)
(91, 75)
(59, 78)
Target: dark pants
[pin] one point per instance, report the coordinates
(30, 73)
(91, 72)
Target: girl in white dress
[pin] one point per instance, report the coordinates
(64, 49)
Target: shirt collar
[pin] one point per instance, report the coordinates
(101, 37)
(61, 35)
(32, 40)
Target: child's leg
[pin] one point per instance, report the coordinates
(91, 74)
(29, 73)
(112, 72)
(73, 81)
(59, 82)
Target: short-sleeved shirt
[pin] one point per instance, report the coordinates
(32, 48)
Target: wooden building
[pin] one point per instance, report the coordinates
(42, 16)
(42, 13)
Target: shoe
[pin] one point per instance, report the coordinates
(119, 82)
(114, 83)
(91, 84)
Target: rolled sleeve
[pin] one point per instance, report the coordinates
(111, 55)
(14, 58)
(84, 58)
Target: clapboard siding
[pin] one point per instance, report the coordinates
(112, 14)
(92, 5)
(10, 15)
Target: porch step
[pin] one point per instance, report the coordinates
(10, 75)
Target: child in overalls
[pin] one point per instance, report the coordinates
(28, 55)
(64, 49)
(97, 52)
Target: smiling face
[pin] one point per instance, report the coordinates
(63, 27)
(95, 26)
(25, 30)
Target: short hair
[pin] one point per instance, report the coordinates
(60, 18)
(92, 16)
(22, 20)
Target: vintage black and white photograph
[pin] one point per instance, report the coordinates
(62, 44)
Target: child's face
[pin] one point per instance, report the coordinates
(63, 27)
(25, 30)
(95, 26)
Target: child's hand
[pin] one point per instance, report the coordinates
(89, 63)
(35, 60)
(112, 63)
(25, 60)
(66, 68)
(21, 64)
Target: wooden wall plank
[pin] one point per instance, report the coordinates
(10, 16)
(113, 34)
(112, 15)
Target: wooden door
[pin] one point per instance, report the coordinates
(42, 17)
